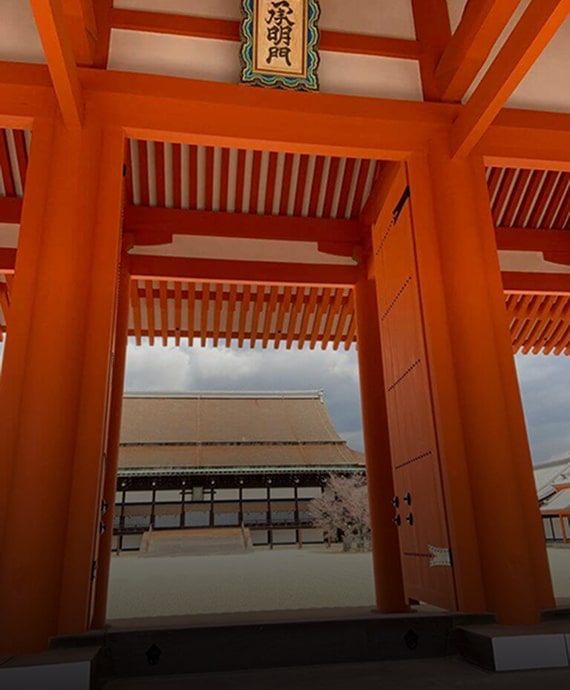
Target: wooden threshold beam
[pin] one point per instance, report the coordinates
(480, 27)
(53, 31)
(157, 225)
(530, 36)
(229, 30)
(145, 267)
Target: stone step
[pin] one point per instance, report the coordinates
(274, 639)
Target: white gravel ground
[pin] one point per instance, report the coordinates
(263, 580)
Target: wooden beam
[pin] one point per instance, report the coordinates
(229, 30)
(520, 283)
(82, 29)
(480, 27)
(531, 35)
(159, 224)
(25, 92)
(156, 108)
(431, 21)
(144, 267)
(532, 240)
(10, 209)
(528, 139)
(103, 10)
(51, 25)
(7, 261)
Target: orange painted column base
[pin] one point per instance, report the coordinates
(388, 582)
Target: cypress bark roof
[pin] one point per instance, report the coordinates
(225, 430)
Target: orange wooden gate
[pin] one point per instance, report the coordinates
(419, 508)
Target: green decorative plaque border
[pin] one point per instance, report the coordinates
(250, 76)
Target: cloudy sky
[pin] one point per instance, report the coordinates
(544, 381)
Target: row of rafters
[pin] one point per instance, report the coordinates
(239, 314)
(180, 311)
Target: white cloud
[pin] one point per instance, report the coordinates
(545, 390)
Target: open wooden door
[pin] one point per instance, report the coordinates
(419, 506)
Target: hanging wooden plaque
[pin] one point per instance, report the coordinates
(280, 43)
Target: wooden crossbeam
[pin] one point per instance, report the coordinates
(53, 31)
(154, 107)
(532, 240)
(480, 27)
(155, 225)
(229, 30)
(536, 283)
(531, 35)
(25, 92)
(7, 261)
(10, 209)
(528, 139)
(144, 267)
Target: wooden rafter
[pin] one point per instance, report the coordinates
(229, 30)
(536, 27)
(480, 27)
(53, 30)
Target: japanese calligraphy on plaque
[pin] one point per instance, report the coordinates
(280, 43)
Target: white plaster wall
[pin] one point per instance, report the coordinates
(529, 262)
(222, 9)
(392, 18)
(177, 56)
(547, 84)
(455, 9)
(198, 58)
(379, 17)
(19, 39)
(247, 250)
(9, 235)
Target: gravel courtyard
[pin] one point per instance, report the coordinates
(262, 580)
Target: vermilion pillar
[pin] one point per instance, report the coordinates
(112, 454)
(388, 582)
(54, 387)
(463, 303)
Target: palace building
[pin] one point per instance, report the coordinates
(226, 460)
(389, 175)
